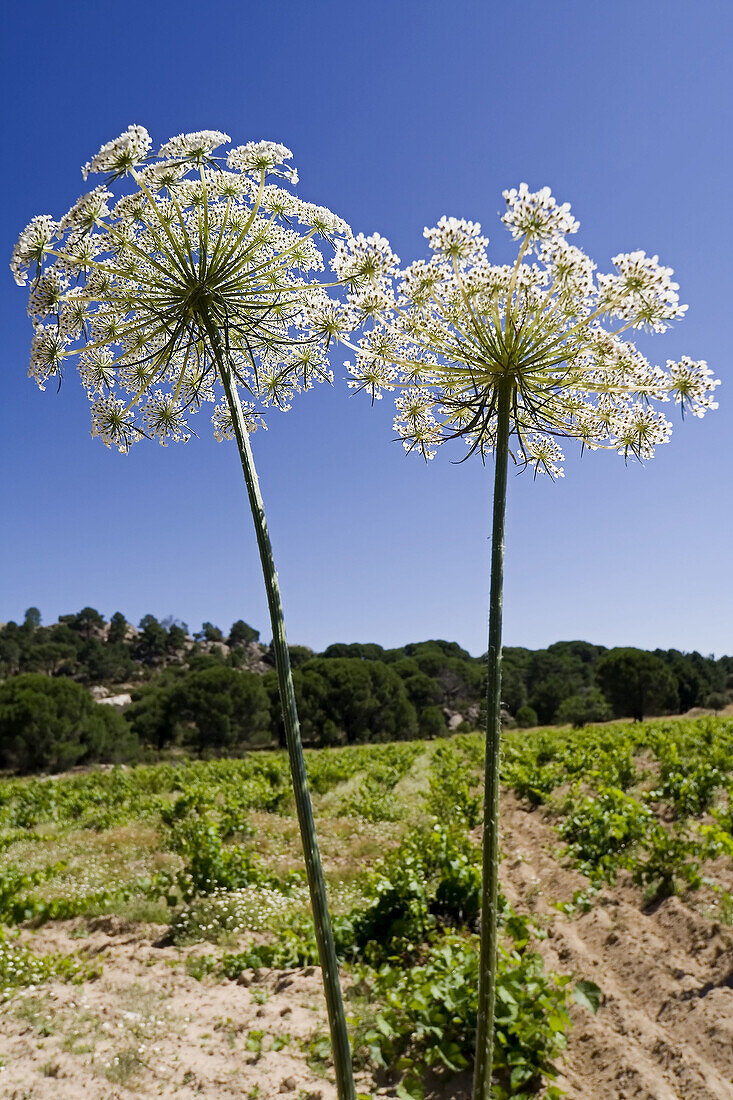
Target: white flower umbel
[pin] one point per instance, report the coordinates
(513, 359)
(460, 328)
(197, 239)
(199, 283)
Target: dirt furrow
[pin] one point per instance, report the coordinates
(664, 1029)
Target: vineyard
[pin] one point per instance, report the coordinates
(155, 937)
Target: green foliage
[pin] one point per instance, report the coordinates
(431, 720)
(589, 705)
(117, 628)
(417, 967)
(410, 935)
(373, 799)
(450, 796)
(349, 700)
(637, 683)
(615, 768)
(51, 724)
(16, 904)
(560, 683)
(153, 715)
(526, 716)
(426, 1019)
(210, 633)
(195, 834)
(671, 861)
(20, 967)
(530, 777)
(176, 639)
(295, 946)
(602, 829)
(226, 708)
(432, 879)
(688, 785)
(396, 918)
(150, 644)
(242, 633)
(32, 619)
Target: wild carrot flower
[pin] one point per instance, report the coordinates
(446, 333)
(199, 283)
(130, 288)
(514, 359)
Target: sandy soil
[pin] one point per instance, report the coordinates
(665, 1028)
(146, 1028)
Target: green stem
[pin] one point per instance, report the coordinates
(490, 886)
(324, 933)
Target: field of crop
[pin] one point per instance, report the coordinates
(155, 938)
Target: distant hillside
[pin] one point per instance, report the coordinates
(216, 691)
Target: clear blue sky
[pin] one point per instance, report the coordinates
(397, 113)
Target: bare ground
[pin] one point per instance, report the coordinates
(147, 1028)
(665, 1028)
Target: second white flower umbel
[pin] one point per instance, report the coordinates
(449, 331)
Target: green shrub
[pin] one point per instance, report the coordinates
(432, 879)
(615, 768)
(20, 967)
(450, 797)
(526, 716)
(374, 798)
(426, 1019)
(432, 722)
(532, 780)
(49, 723)
(348, 700)
(208, 865)
(226, 708)
(588, 705)
(716, 700)
(637, 683)
(689, 786)
(671, 862)
(602, 829)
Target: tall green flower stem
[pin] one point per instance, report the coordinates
(314, 870)
(486, 352)
(490, 885)
(202, 277)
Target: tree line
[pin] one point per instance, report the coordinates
(216, 693)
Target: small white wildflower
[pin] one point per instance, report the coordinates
(535, 215)
(262, 156)
(693, 385)
(32, 246)
(112, 423)
(46, 293)
(121, 155)
(195, 146)
(163, 418)
(370, 258)
(48, 351)
(642, 292)
(457, 240)
(88, 211)
(639, 430)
